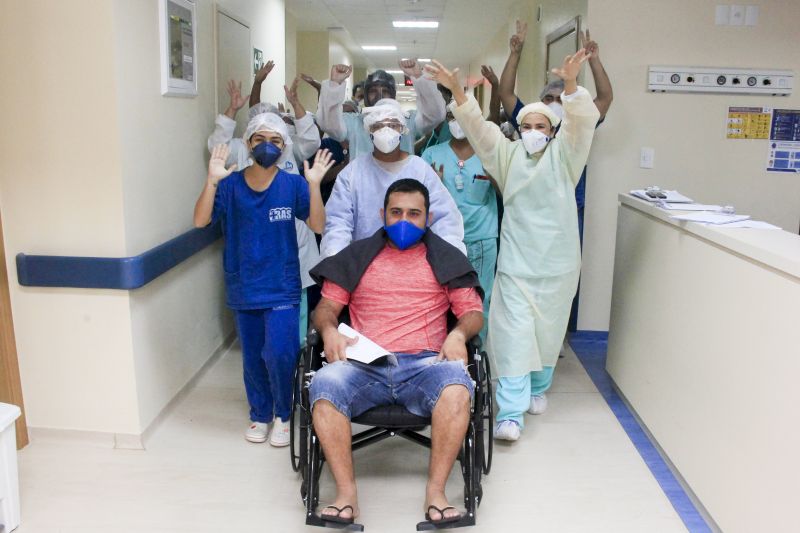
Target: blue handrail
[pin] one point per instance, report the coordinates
(113, 272)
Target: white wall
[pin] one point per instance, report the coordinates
(687, 131)
(61, 193)
(100, 164)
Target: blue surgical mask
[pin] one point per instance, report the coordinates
(266, 153)
(404, 234)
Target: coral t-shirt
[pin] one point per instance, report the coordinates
(399, 304)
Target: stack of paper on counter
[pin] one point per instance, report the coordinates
(672, 197)
(706, 217)
(689, 207)
(364, 350)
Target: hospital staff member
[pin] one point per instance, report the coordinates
(470, 186)
(539, 259)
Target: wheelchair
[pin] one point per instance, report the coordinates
(387, 421)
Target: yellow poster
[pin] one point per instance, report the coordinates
(749, 122)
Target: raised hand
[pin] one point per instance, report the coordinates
(323, 162)
(216, 165)
(439, 171)
(518, 39)
(440, 74)
(310, 80)
(572, 65)
(411, 68)
(264, 71)
(235, 93)
(589, 45)
(339, 73)
(489, 74)
(291, 92)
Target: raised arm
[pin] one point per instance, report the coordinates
(225, 124)
(261, 75)
(601, 82)
(305, 141)
(332, 95)
(431, 107)
(322, 163)
(311, 81)
(574, 138)
(508, 78)
(494, 99)
(489, 143)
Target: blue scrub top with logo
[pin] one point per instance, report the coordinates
(260, 260)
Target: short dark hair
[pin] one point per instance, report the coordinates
(447, 94)
(408, 185)
(356, 86)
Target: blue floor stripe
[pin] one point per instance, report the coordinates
(591, 348)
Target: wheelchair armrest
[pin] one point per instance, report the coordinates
(475, 344)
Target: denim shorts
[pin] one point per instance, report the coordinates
(415, 383)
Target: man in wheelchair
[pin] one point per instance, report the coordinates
(399, 285)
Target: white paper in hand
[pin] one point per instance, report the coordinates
(364, 350)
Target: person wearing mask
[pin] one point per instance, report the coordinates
(378, 85)
(355, 203)
(539, 260)
(470, 186)
(257, 207)
(302, 143)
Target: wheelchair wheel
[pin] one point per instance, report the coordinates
(296, 443)
(484, 423)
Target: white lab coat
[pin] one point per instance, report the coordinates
(305, 142)
(342, 126)
(353, 210)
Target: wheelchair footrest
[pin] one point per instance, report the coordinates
(467, 520)
(315, 520)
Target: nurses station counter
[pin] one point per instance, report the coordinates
(704, 345)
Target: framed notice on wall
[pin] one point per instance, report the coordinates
(177, 28)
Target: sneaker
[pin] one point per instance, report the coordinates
(280, 433)
(538, 404)
(257, 432)
(507, 430)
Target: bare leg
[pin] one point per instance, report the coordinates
(448, 427)
(334, 431)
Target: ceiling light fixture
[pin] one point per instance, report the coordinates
(393, 71)
(415, 24)
(379, 47)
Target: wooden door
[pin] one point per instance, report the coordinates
(10, 385)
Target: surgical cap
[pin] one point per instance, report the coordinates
(384, 109)
(261, 107)
(552, 87)
(538, 107)
(267, 122)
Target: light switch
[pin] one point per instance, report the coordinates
(737, 15)
(647, 157)
(722, 15)
(751, 16)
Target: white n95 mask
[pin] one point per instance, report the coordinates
(534, 141)
(386, 139)
(455, 130)
(557, 108)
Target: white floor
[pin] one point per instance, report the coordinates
(574, 470)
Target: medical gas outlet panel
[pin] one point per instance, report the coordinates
(720, 80)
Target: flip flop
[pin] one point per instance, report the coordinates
(443, 519)
(335, 517)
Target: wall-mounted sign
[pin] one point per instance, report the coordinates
(177, 28)
(258, 60)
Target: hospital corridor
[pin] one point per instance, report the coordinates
(399, 265)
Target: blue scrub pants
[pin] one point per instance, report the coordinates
(482, 256)
(269, 354)
(514, 394)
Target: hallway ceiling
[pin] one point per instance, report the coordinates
(465, 27)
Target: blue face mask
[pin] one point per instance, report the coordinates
(404, 234)
(266, 153)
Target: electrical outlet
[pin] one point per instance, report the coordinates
(647, 157)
